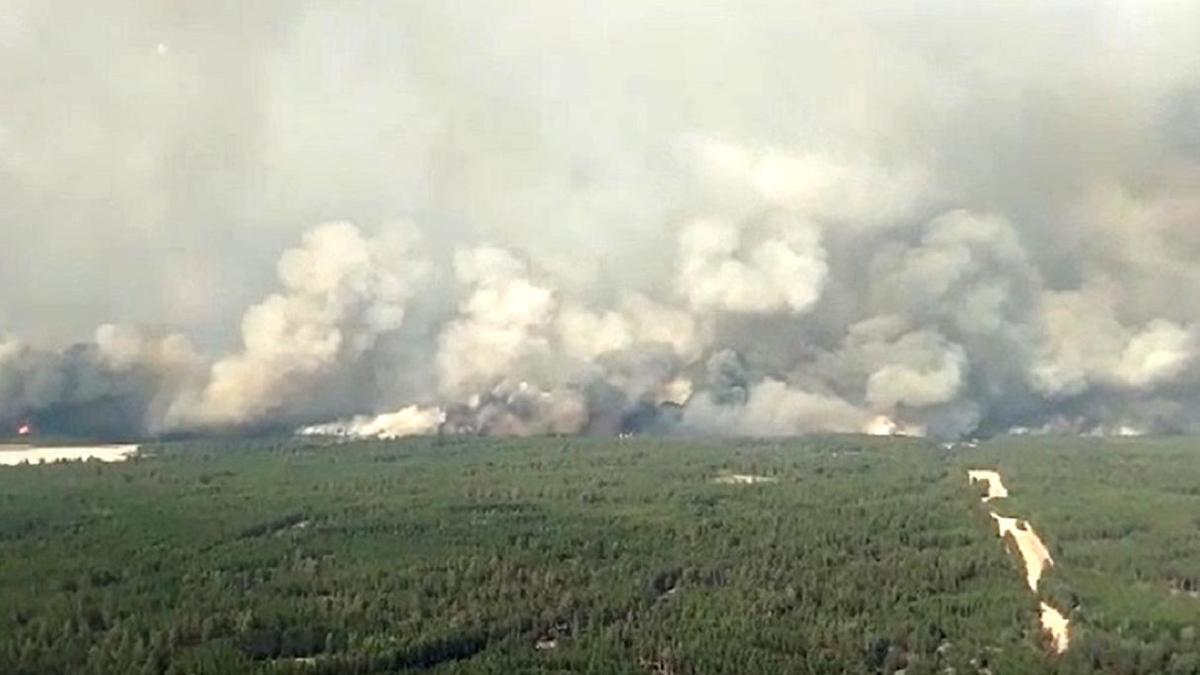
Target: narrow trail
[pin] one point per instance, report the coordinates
(1034, 553)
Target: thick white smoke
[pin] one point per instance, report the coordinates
(775, 409)
(121, 384)
(407, 421)
(1086, 346)
(341, 292)
(720, 269)
(501, 323)
(729, 218)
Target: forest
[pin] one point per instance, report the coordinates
(845, 554)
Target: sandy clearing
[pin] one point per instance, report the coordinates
(996, 489)
(1033, 551)
(15, 455)
(744, 479)
(1057, 626)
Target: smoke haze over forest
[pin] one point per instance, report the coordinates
(547, 216)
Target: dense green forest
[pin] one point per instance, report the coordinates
(571, 555)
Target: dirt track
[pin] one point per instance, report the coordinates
(1034, 553)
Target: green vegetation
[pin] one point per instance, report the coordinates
(1122, 519)
(466, 556)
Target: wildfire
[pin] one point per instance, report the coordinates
(882, 425)
(25, 429)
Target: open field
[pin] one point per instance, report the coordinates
(843, 554)
(14, 455)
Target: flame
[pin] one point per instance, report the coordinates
(882, 425)
(25, 429)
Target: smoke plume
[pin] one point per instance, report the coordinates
(562, 217)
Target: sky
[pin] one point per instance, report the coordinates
(555, 216)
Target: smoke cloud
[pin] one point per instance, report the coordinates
(559, 217)
(341, 292)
